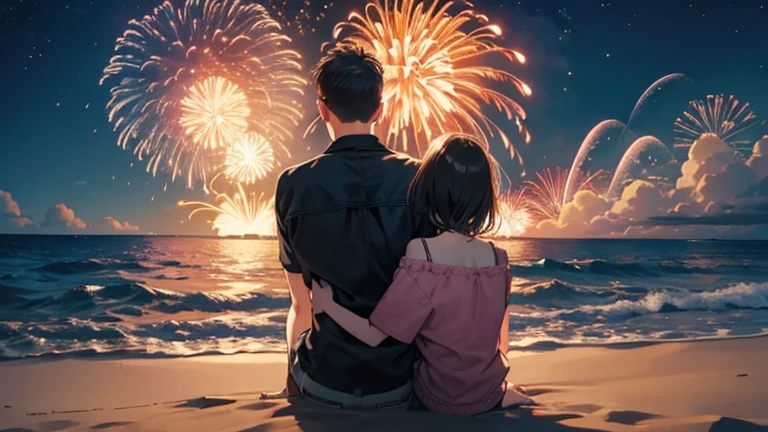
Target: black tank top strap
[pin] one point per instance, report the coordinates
(495, 254)
(426, 249)
(504, 260)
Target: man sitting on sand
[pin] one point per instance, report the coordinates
(343, 217)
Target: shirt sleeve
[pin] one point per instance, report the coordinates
(282, 202)
(402, 311)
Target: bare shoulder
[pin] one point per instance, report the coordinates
(415, 250)
(499, 254)
(481, 246)
(482, 241)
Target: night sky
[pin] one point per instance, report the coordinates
(588, 61)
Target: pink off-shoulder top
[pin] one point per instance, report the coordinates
(454, 316)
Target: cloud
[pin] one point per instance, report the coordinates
(576, 217)
(759, 160)
(59, 219)
(11, 219)
(590, 215)
(639, 201)
(8, 205)
(61, 216)
(111, 225)
(22, 221)
(730, 182)
(708, 155)
(584, 207)
(717, 195)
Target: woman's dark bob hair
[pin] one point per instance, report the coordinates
(457, 186)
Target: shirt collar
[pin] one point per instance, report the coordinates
(349, 142)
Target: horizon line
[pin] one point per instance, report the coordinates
(274, 237)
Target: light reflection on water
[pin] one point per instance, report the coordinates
(184, 296)
(206, 265)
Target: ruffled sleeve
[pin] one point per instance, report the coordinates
(403, 310)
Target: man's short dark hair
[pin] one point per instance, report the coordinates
(457, 186)
(350, 81)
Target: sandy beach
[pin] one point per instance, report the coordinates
(687, 386)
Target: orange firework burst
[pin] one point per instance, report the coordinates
(433, 80)
(240, 214)
(214, 113)
(515, 214)
(724, 118)
(251, 159)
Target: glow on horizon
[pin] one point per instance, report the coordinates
(239, 214)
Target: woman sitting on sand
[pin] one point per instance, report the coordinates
(450, 292)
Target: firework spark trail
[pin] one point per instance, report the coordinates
(167, 56)
(724, 118)
(300, 14)
(251, 159)
(434, 81)
(597, 183)
(239, 214)
(546, 194)
(515, 214)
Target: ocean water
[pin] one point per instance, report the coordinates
(169, 296)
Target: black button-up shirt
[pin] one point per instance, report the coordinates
(343, 217)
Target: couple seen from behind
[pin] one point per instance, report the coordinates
(396, 302)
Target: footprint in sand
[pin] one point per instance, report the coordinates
(205, 402)
(629, 417)
(109, 425)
